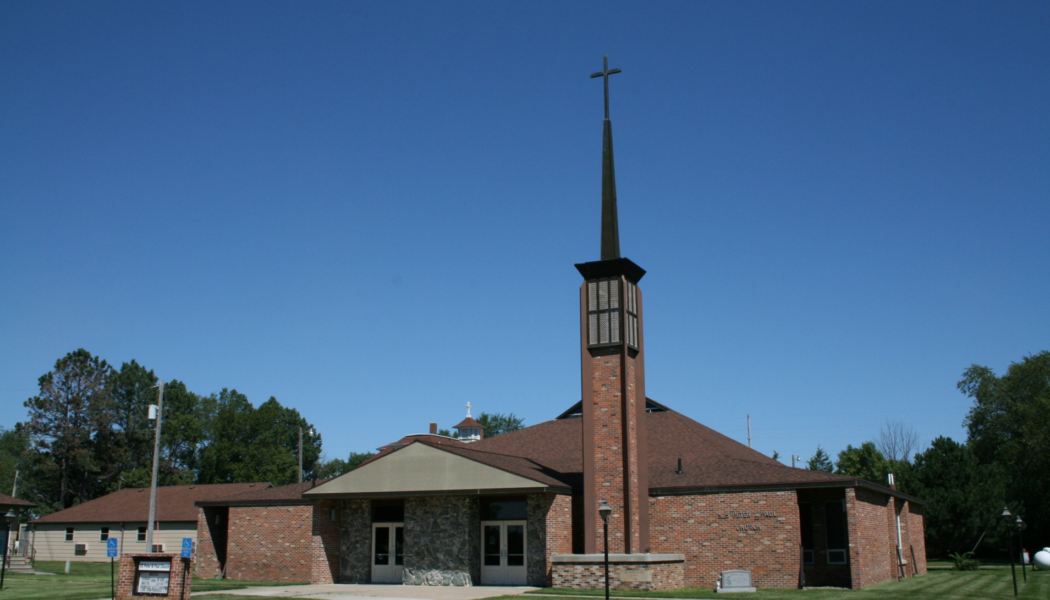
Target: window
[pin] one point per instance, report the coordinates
(388, 511)
(69, 534)
(158, 548)
(631, 298)
(103, 535)
(805, 523)
(142, 534)
(835, 521)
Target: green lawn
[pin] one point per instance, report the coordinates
(90, 581)
(987, 584)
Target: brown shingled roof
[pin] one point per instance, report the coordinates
(8, 502)
(285, 494)
(469, 422)
(709, 459)
(174, 503)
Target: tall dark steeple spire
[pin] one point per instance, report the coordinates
(610, 225)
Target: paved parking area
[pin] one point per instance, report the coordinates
(347, 591)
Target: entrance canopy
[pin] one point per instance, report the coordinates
(423, 469)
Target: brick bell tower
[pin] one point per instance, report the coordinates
(612, 369)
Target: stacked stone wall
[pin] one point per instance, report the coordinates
(355, 541)
(756, 531)
(442, 540)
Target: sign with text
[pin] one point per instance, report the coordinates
(187, 547)
(111, 547)
(153, 577)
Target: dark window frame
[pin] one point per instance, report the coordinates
(103, 534)
(69, 533)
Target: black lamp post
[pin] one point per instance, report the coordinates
(1010, 543)
(604, 510)
(8, 519)
(1020, 533)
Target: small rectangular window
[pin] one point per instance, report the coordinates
(805, 524)
(103, 534)
(69, 534)
(142, 534)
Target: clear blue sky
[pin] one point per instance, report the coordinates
(372, 210)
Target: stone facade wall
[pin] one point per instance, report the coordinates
(180, 584)
(820, 573)
(650, 577)
(442, 540)
(355, 541)
(755, 531)
(270, 543)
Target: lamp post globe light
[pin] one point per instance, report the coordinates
(605, 510)
(1020, 533)
(1010, 543)
(8, 519)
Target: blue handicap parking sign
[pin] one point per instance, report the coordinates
(111, 547)
(187, 547)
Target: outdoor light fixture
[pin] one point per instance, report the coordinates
(605, 510)
(1010, 543)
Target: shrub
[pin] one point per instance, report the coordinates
(964, 561)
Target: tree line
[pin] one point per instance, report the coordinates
(87, 433)
(1004, 462)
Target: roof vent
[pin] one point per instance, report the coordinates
(251, 485)
(679, 471)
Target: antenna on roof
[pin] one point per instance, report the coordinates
(679, 471)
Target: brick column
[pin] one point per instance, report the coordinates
(180, 582)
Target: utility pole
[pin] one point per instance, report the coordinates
(300, 455)
(156, 464)
(14, 488)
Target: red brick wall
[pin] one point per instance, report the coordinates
(757, 531)
(207, 562)
(559, 530)
(180, 584)
(915, 542)
(324, 544)
(270, 543)
(590, 576)
(872, 549)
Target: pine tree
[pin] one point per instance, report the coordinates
(820, 462)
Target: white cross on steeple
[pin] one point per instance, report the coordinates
(468, 409)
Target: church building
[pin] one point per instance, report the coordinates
(682, 503)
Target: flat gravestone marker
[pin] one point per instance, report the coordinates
(736, 581)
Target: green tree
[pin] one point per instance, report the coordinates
(496, 423)
(820, 462)
(338, 466)
(74, 407)
(1009, 425)
(127, 450)
(865, 462)
(14, 443)
(964, 498)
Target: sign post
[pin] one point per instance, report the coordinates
(111, 552)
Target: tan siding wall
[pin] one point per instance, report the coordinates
(50, 539)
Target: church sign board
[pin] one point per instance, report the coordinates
(152, 577)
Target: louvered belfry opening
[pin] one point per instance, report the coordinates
(612, 312)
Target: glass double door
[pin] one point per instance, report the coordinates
(503, 553)
(388, 552)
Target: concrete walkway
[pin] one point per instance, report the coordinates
(350, 591)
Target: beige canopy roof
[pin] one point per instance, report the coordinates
(424, 469)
